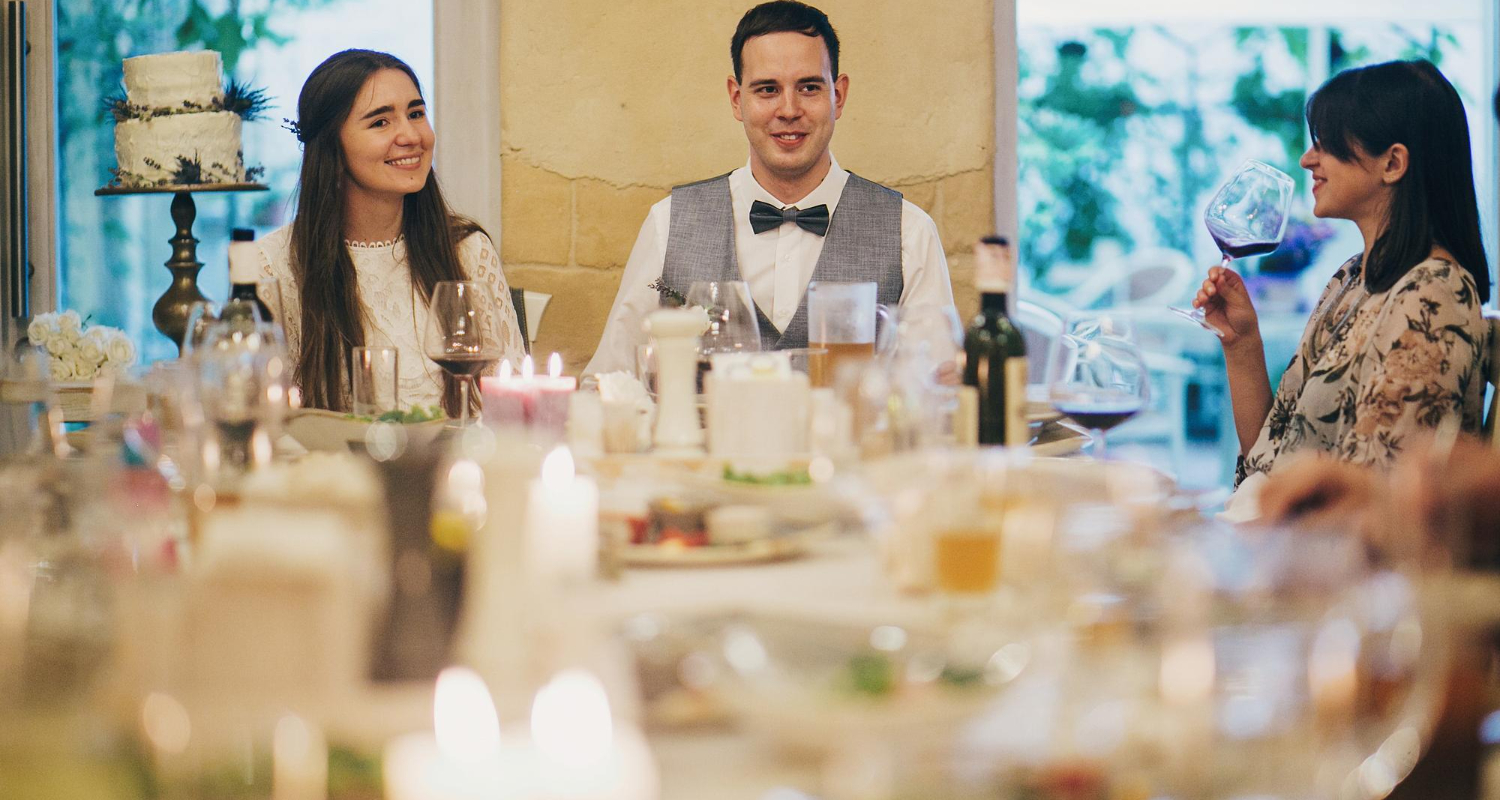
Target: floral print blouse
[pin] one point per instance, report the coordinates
(1371, 369)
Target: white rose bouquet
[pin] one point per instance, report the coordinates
(78, 351)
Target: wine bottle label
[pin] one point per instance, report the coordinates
(1017, 432)
(994, 268)
(244, 262)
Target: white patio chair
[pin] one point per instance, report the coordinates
(1150, 276)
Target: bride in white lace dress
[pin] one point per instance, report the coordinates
(373, 235)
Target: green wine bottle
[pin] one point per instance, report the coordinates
(995, 351)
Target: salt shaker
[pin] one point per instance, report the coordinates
(674, 333)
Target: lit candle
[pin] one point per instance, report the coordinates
(507, 399)
(462, 759)
(563, 522)
(550, 413)
(584, 755)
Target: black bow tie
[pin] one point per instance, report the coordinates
(764, 217)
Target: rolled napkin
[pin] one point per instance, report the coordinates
(757, 405)
(627, 410)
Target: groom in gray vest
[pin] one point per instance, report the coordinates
(791, 215)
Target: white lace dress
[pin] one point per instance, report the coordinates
(395, 316)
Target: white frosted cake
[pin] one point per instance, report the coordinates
(176, 124)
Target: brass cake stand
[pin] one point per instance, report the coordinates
(171, 310)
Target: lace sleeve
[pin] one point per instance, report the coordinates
(1423, 355)
(481, 263)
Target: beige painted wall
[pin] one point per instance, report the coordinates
(604, 107)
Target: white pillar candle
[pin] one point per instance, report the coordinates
(583, 754)
(493, 635)
(463, 757)
(563, 522)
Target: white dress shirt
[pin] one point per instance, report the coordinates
(777, 264)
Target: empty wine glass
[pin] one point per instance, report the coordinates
(456, 339)
(732, 325)
(1246, 217)
(1095, 374)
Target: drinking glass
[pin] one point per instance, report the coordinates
(841, 320)
(1246, 217)
(1290, 648)
(241, 387)
(456, 339)
(374, 380)
(930, 339)
(732, 325)
(645, 367)
(1095, 374)
(202, 315)
(30, 419)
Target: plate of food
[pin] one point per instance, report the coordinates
(809, 684)
(684, 529)
(319, 429)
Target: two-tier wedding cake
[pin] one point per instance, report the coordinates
(178, 123)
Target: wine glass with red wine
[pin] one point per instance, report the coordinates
(456, 339)
(1246, 217)
(1096, 375)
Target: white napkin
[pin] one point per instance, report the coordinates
(1244, 504)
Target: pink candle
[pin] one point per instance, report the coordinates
(507, 398)
(535, 402)
(550, 414)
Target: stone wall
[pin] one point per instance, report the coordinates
(604, 107)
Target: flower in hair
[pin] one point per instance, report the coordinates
(291, 125)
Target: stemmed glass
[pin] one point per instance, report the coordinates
(241, 399)
(1246, 217)
(1095, 374)
(202, 316)
(732, 326)
(456, 339)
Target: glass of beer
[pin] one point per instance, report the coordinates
(841, 322)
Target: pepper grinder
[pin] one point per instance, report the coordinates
(674, 333)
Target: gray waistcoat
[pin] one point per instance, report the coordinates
(863, 244)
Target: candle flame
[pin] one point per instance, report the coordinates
(1187, 671)
(557, 469)
(505, 370)
(528, 368)
(554, 365)
(166, 723)
(570, 720)
(464, 717)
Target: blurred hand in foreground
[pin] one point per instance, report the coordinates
(1426, 501)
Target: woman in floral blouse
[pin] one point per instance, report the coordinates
(1396, 342)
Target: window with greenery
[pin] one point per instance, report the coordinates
(112, 248)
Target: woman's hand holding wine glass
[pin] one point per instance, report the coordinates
(1225, 302)
(1246, 217)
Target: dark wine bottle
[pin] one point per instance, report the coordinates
(995, 351)
(244, 271)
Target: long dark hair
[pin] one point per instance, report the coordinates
(333, 320)
(1366, 110)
